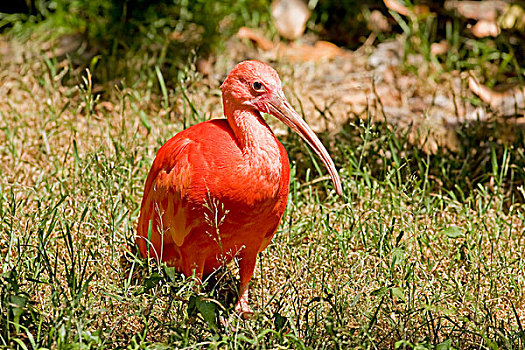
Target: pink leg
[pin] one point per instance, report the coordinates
(246, 267)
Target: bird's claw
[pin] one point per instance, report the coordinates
(243, 309)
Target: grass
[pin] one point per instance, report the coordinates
(494, 59)
(423, 252)
(131, 36)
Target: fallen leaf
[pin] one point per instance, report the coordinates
(108, 106)
(257, 38)
(175, 35)
(479, 10)
(416, 10)
(484, 28)
(398, 7)
(378, 23)
(290, 17)
(421, 10)
(298, 52)
(507, 103)
(514, 17)
(440, 48)
(303, 52)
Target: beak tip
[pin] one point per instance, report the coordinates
(338, 187)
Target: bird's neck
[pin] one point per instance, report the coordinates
(256, 140)
(250, 129)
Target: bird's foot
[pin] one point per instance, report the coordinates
(243, 309)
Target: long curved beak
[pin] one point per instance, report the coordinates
(279, 107)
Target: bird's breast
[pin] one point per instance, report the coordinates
(245, 182)
(264, 169)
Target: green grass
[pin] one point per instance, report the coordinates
(128, 37)
(423, 252)
(495, 59)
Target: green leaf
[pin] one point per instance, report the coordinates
(192, 306)
(18, 301)
(17, 304)
(454, 232)
(152, 281)
(279, 321)
(403, 343)
(208, 311)
(398, 256)
(398, 293)
(379, 292)
(171, 273)
(445, 345)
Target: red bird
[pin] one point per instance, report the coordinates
(218, 190)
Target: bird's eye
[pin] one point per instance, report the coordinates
(257, 86)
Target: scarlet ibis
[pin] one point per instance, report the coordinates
(218, 190)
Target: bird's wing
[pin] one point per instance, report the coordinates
(176, 181)
(164, 216)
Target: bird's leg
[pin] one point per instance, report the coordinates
(242, 307)
(246, 267)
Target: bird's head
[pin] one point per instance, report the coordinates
(256, 85)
